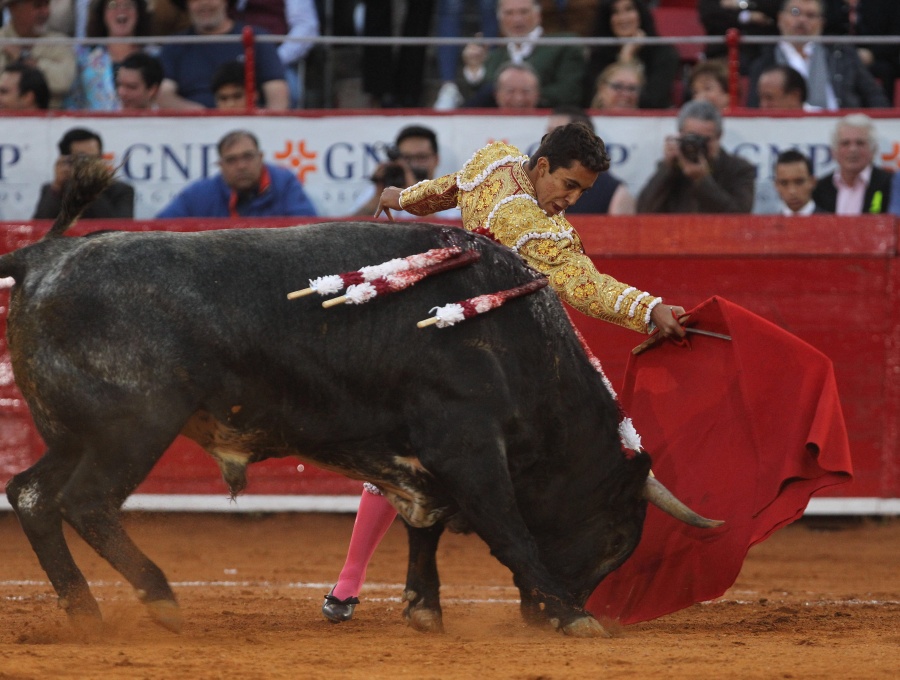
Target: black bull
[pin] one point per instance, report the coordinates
(121, 341)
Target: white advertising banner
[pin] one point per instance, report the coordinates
(334, 154)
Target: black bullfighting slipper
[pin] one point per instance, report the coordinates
(336, 610)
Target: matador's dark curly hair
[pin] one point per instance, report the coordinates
(569, 143)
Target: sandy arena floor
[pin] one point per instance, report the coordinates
(818, 600)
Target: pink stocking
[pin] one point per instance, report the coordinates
(374, 518)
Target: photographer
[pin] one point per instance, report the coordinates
(696, 175)
(413, 158)
(115, 202)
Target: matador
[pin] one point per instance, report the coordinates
(521, 203)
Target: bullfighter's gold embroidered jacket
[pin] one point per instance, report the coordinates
(496, 198)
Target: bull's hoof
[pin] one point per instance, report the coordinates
(83, 614)
(167, 614)
(85, 623)
(424, 620)
(586, 627)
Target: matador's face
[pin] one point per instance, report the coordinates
(559, 189)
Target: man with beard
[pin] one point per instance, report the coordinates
(246, 187)
(28, 19)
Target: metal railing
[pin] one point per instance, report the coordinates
(733, 40)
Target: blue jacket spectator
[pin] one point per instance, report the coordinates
(189, 67)
(246, 187)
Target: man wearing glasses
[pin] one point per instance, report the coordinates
(246, 187)
(413, 158)
(835, 76)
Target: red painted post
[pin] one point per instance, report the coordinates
(248, 41)
(733, 43)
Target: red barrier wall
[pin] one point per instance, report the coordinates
(831, 281)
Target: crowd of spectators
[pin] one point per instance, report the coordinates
(119, 67)
(84, 76)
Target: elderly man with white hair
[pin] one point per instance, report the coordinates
(856, 186)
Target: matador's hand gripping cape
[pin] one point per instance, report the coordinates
(496, 199)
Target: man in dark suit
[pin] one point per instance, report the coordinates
(117, 200)
(857, 186)
(795, 182)
(836, 78)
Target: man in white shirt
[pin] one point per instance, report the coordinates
(857, 186)
(795, 182)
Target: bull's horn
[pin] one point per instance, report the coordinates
(663, 499)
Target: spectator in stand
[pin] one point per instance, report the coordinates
(750, 17)
(28, 19)
(188, 67)
(293, 18)
(870, 18)
(609, 195)
(709, 81)
(137, 82)
(246, 187)
(857, 186)
(449, 25)
(394, 77)
(228, 87)
(835, 76)
(560, 68)
(94, 88)
(894, 205)
(782, 87)
(795, 182)
(116, 201)
(632, 19)
(23, 88)
(413, 158)
(517, 87)
(696, 175)
(619, 87)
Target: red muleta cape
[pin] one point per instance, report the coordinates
(745, 431)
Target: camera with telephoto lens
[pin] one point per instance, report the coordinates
(394, 174)
(693, 146)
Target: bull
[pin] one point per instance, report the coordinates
(122, 341)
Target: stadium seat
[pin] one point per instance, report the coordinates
(676, 22)
(681, 22)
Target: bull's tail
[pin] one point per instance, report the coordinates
(90, 176)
